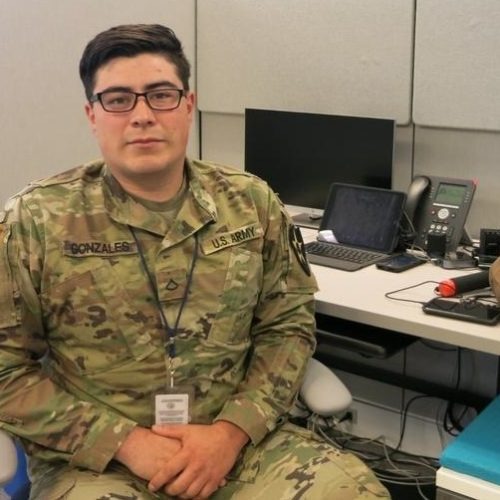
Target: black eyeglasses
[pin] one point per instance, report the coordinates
(121, 101)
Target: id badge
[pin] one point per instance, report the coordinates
(173, 406)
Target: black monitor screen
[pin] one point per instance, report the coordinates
(301, 154)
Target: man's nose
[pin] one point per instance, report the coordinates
(142, 113)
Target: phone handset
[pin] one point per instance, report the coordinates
(439, 206)
(414, 197)
(415, 194)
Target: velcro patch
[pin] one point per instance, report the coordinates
(231, 238)
(297, 244)
(98, 248)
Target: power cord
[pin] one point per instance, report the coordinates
(451, 424)
(403, 469)
(394, 466)
(391, 466)
(389, 295)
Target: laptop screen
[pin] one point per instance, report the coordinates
(364, 217)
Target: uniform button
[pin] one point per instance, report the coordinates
(171, 285)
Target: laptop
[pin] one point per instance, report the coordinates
(363, 223)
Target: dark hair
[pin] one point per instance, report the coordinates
(129, 40)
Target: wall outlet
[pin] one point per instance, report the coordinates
(352, 416)
(349, 420)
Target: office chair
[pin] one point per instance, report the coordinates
(14, 480)
(322, 393)
(8, 458)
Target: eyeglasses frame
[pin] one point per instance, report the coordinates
(97, 97)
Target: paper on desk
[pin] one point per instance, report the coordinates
(327, 235)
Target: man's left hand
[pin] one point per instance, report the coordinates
(207, 454)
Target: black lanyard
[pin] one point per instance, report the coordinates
(170, 332)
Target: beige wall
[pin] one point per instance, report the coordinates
(43, 128)
(433, 65)
(384, 58)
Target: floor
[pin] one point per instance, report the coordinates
(408, 492)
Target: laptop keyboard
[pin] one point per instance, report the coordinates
(340, 252)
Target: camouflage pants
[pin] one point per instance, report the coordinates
(290, 464)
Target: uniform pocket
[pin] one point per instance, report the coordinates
(9, 314)
(92, 322)
(239, 296)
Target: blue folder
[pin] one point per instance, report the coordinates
(476, 451)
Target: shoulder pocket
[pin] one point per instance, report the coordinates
(8, 312)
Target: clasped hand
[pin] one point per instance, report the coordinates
(187, 461)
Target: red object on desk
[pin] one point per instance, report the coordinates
(461, 284)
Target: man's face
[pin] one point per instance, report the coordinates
(141, 141)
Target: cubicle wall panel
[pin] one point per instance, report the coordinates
(339, 57)
(42, 120)
(223, 139)
(457, 64)
(464, 154)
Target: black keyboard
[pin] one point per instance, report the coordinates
(341, 257)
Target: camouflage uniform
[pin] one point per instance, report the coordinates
(82, 348)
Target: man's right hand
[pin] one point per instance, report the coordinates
(143, 452)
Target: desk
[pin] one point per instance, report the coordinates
(455, 486)
(359, 296)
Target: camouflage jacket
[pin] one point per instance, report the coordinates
(81, 345)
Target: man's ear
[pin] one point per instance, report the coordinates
(191, 104)
(89, 111)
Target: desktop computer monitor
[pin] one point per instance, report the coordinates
(301, 154)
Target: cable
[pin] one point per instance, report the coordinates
(405, 415)
(392, 469)
(388, 294)
(452, 424)
(403, 398)
(449, 417)
(391, 465)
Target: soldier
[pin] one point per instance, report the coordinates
(147, 289)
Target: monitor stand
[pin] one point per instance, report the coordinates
(307, 220)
